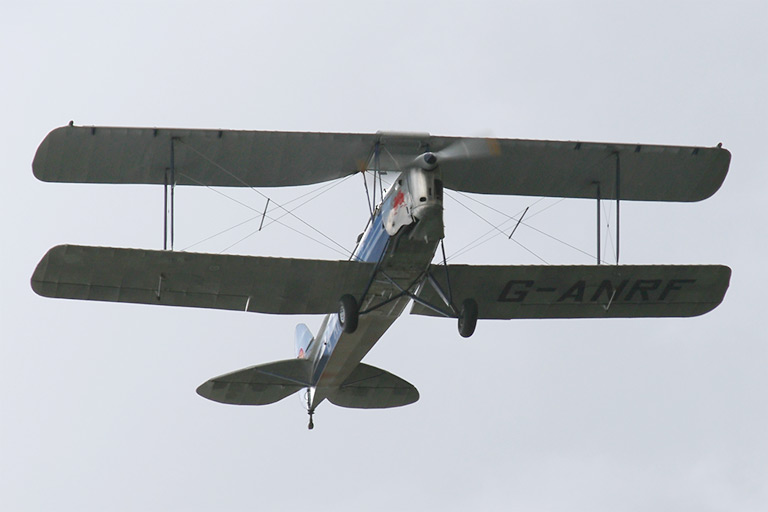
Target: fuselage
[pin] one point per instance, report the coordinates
(401, 238)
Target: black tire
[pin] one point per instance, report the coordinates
(468, 318)
(348, 313)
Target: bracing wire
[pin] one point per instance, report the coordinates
(495, 228)
(608, 238)
(368, 194)
(223, 169)
(318, 192)
(477, 242)
(272, 220)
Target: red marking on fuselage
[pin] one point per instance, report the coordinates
(399, 200)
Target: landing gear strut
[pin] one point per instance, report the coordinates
(467, 318)
(311, 422)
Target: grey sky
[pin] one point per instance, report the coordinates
(98, 409)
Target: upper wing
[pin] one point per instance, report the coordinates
(77, 154)
(573, 169)
(227, 158)
(217, 281)
(603, 291)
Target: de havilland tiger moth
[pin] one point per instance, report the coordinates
(392, 264)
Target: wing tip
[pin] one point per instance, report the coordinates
(719, 171)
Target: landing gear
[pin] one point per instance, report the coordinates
(348, 313)
(467, 318)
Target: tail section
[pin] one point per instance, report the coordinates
(259, 385)
(369, 387)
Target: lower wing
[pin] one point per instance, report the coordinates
(602, 291)
(216, 281)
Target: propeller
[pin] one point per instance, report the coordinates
(462, 149)
(469, 148)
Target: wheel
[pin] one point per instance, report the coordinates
(348, 313)
(468, 318)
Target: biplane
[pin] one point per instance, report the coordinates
(393, 262)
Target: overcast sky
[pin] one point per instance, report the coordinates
(98, 409)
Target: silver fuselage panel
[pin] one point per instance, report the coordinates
(412, 205)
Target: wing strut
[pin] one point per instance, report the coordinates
(598, 197)
(169, 185)
(618, 200)
(598, 221)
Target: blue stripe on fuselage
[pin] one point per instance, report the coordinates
(371, 248)
(374, 240)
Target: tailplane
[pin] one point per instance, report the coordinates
(369, 387)
(259, 385)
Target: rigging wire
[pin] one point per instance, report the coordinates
(470, 246)
(220, 167)
(367, 193)
(608, 238)
(318, 192)
(272, 220)
(495, 228)
(474, 244)
(292, 229)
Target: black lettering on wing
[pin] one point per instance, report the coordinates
(643, 286)
(674, 284)
(513, 293)
(575, 292)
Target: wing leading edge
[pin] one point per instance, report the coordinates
(605, 291)
(231, 158)
(225, 158)
(215, 281)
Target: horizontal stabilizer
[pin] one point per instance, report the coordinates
(369, 387)
(259, 385)
(583, 291)
(216, 281)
